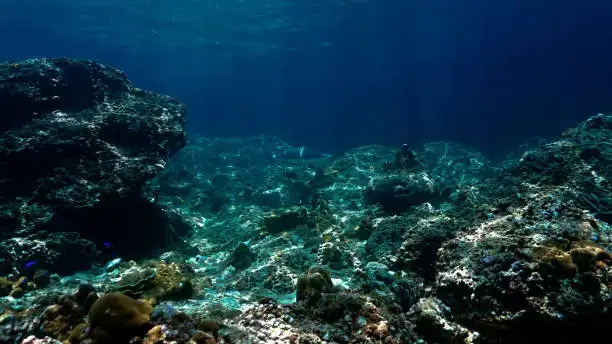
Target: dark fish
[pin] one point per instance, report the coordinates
(29, 264)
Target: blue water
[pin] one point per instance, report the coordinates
(333, 74)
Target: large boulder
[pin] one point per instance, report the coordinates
(399, 192)
(539, 268)
(77, 142)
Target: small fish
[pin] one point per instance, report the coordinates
(156, 197)
(107, 244)
(30, 264)
(200, 258)
(112, 263)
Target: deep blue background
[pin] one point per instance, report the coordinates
(489, 74)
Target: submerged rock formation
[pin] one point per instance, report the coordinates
(77, 142)
(431, 245)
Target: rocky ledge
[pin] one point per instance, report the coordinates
(77, 142)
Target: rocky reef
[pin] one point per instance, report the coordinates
(434, 244)
(77, 143)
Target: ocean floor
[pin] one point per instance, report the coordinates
(117, 228)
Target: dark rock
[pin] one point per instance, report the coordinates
(386, 238)
(83, 293)
(397, 193)
(202, 338)
(334, 306)
(551, 164)
(182, 290)
(313, 284)
(323, 178)
(365, 229)
(77, 142)
(430, 317)
(285, 220)
(242, 257)
(406, 159)
(407, 292)
(42, 278)
(60, 252)
(210, 326)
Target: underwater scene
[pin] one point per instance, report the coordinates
(305, 172)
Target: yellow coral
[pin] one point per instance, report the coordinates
(576, 256)
(587, 255)
(168, 282)
(55, 324)
(78, 333)
(5, 286)
(116, 313)
(554, 261)
(155, 335)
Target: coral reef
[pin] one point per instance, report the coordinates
(115, 314)
(312, 285)
(379, 245)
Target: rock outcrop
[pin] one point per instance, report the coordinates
(77, 142)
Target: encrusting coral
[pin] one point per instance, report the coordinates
(119, 315)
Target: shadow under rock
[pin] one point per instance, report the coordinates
(132, 225)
